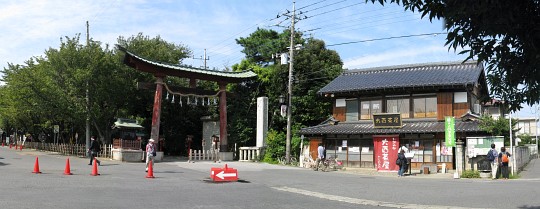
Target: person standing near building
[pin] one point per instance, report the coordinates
(402, 163)
(504, 159)
(320, 156)
(150, 153)
(94, 150)
(492, 157)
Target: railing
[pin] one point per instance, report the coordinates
(249, 153)
(69, 149)
(126, 144)
(211, 155)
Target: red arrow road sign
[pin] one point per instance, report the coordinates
(224, 174)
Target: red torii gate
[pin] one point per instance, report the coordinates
(161, 70)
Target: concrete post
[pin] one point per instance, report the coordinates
(262, 121)
(460, 159)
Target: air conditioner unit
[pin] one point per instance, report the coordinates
(477, 108)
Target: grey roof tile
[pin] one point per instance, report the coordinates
(406, 76)
(364, 127)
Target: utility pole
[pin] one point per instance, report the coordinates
(512, 144)
(87, 95)
(536, 113)
(289, 108)
(203, 58)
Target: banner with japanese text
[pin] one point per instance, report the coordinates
(449, 131)
(386, 149)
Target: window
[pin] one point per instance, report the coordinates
(398, 106)
(460, 97)
(352, 110)
(369, 107)
(425, 107)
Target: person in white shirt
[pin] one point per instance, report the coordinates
(320, 157)
(150, 153)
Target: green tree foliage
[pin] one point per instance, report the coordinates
(314, 67)
(502, 34)
(52, 90)
(498, 127)
(526, 139)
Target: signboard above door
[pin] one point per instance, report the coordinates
(387, 120)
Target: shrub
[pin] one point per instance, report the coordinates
(470, 174)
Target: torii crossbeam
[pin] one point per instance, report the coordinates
(161, 70)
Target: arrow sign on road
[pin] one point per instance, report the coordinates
(224, 174)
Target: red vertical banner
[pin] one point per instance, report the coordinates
(386, 149)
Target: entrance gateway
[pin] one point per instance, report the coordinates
(161, 71)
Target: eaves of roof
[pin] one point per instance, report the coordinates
(415, 127)
(178, 70)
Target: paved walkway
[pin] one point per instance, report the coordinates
(532, 171)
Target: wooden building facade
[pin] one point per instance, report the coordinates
(421, 96)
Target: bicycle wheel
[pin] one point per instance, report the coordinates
(332, 165)
(294, 161)
(282, 161)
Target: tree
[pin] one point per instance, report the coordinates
(502, 34)
(314, 67)
(526, 139)
(51, 90)
(498, 127)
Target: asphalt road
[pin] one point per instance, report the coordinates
(178, 184)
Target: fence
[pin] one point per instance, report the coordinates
(211, 155)
(69, 149)
(126, 144)
(249, 153)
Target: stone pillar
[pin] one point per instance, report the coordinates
(262, 121)
(460, 160)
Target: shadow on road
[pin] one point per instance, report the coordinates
(529, 207)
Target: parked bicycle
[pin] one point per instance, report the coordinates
(283, 161)
(308, 162)
(329, 164)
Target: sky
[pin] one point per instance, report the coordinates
(29, 27)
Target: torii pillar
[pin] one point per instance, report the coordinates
(223, 117)
(156, 113)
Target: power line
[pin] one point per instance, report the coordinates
(325, 6)
(311, 4)
(336, 9)
(387, 38)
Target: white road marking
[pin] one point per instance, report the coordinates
(364, 201)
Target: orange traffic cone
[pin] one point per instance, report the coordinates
(21, 147)
(67, 171)
(150, 170)
(36, 167)
(94, 169)
(16, 147)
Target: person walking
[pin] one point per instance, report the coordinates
(94, 150)
(150, 153)
(504, 159)
(492, 157)
(402, 163)
(320, 156)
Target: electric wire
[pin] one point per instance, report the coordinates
(387, 38)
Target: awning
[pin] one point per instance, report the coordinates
(125, 123)
(365, 127)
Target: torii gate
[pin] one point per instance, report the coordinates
(160, 71)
